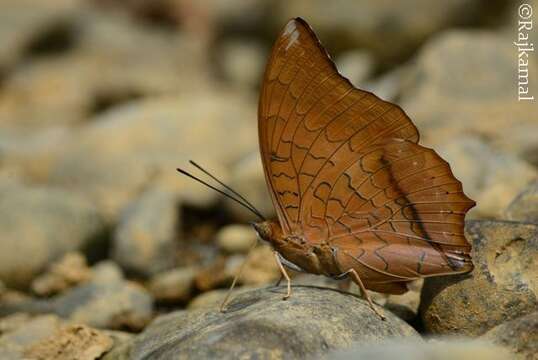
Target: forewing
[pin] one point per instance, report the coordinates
(308, 115)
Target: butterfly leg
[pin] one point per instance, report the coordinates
(284, 274)
(358, 281)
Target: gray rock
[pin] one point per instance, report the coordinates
(260, 268)
(260, 324)
(357, 66)
(242, 62)
(49, 337)
(463, 83)
(41, 224)
(107, 301)
(22, 22)
(503, 285)
(20, 332)
(122, 151)
(489, 177)
(236, 238)
(373, 25)
(92, 75)
(71, 342)
(144, 240)
(69, 271)
(525, 206)
(411, 349)
(176, 285)
(248, 179)
(519, 335)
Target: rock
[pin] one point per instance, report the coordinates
(411, 349)
(388, 86)
(463, 83)
(525, 206)
(19, 332)
(236, 238)
(42, 224)
(214, 298)
(503, 285)
(71, 342)
(519, 335)
(144, 240)
(115, 157)
(249, 180)
(490, 178)
(24, 23)
(176, 285)
(27, 102)
(93, 75)
(69, 271)
(242, 62)
(406, 306)
(106, 301)
(357, 66)
(260, 324)
(260, 268)
(28, 157)
(372, 25)
(49, 337)
(122, 346)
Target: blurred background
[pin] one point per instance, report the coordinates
(101, 100)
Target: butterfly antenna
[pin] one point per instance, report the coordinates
(251, 208)
(225, 186)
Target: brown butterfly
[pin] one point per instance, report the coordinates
(355, 195)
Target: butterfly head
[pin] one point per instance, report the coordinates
(266, 230)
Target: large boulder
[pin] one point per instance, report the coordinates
(260, 324)
(503, 285)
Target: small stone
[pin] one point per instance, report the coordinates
(248, 178)
(20, 332)
(144, 240)
(236, 238)
(502, 287)
(106, 301)
(175, 285)
(71, 342)
(120, 152)
(260, 268)
(69, 271)
(372, 25)
(260, 324)
(486, 174)
(41, 224)
(524, 207)
(520, 336)
(355, 65)
(242, 62)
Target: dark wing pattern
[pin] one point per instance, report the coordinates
(344, 167)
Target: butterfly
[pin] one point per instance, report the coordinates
(355, 194)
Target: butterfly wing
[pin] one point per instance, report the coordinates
(305, 101)
(344, 167)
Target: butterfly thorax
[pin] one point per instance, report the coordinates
(312, 258)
